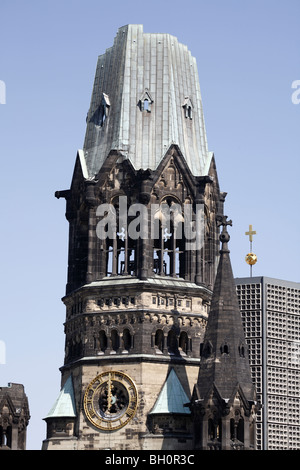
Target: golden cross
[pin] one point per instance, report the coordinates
(250, 233)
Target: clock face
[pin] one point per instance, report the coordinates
(110, 400)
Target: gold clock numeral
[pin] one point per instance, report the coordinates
(130, 411)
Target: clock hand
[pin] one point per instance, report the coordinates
(109, 394)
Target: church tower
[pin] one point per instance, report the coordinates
(224, 400)
(143, 253)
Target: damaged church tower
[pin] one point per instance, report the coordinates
(143, 253)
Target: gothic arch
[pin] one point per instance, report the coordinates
(169, 243)
(120, 248)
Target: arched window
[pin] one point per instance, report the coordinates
(145, 101)
(127, 340)
(169, 243)
(242, 350)
(214, 429)
(206, 349)
(188, 107)
(224, 348)
(120, 249)
(115, 340)
(6, 436)
(237, 429)
(159, 340)
(183, 342)
(102, 341)
(172, 342)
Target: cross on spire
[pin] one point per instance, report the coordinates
(224, 236)
(250, 233)
(222, 220)
(251, 258)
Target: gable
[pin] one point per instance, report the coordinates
(172, 397)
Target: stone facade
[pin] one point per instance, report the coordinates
(143, 253)
(14, 417)
(224, 402)
(142, 322)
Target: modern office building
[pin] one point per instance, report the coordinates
(270, 311)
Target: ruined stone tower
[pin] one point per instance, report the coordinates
(143, 253)
(14, 417)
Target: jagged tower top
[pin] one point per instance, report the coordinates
(146, 97)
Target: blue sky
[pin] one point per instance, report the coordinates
(248, 57)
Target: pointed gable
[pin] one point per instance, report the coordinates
(172, 397)
(64, 406)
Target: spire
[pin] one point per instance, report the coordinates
(224, 360)
(223, 403)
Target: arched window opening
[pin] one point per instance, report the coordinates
(183, 342)
(115, 340)
(242, 350)
(76, 347)
(102, 341)
(120, 248)
(224, 349)
(237, 429)
(145, 101)
(5, 436)
(188, 108)
(172, 342)
(104, 108)
(127, 340)
(159, 340)
(214, 429)
(206, 349)
(169, 243)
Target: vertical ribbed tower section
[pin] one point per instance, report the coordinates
(152, 102)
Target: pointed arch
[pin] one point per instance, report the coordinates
(145, 101)
(169, 242)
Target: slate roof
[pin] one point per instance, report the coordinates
(224, 361)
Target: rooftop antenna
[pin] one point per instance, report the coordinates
(250, 258)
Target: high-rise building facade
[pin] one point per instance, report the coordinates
(270, 310)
